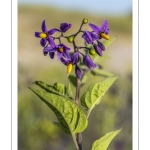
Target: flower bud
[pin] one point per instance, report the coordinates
(92, 52)
(70, 39)
(85, 21)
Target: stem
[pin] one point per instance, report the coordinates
(79, 140)
(79, 135)
(77, 91)
(75, 142)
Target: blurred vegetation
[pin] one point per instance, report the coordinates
(36, 130)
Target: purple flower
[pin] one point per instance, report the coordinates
(61, 50)
(88, 62)
(99, 48)
(44, 35)
(63, 28)
(73, 60)
(89, 37)
(102, 32)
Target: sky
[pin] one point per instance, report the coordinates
(94, 6)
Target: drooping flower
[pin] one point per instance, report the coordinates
(73, 60)
(99, 48)
(89, 37)
(102, 32)
(78, 72)
(88, 62)
(63, 28)
(44, 35)
(61, 50)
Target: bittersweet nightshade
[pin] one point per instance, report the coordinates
(102, 32)
(61, 50)
(88, 62)
(89, 37)
(63, 28)
(44, 35)
(73, 60)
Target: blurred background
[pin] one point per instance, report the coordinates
(36, 130)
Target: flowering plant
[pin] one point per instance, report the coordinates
(59, 98)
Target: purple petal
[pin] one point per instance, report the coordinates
(104, 25)
(94, 36)
(64, 61)
(52, 31)
(88, 62)
(75, 58)
(49, 49)
(87, 37)
(64, 47)
(59, 55)
(101, 45)
(45, 53)
(44, 29)
(106, 31)
(95, 28)
(51, 54)
(66, 55)
(37, 34)
(65, 26)
(43, 42)
(51, 42)
(98, 49)
(78, 72)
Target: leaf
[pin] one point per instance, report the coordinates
(71, 118)
(69, 91)
(106, 43)
(101, 72)
(94, 92)
(84, 80)
(57, 88)
(73, 79)
(103, 142)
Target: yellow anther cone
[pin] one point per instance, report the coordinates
(103, 35)
(43, 35)
(69, 68)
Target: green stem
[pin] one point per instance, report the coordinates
(75, 142)
(79, 135)
(88, 113)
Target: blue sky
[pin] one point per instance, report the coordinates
(93, 6)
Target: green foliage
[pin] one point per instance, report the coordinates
(57, 88)
(71, 118)
(101, 72)
(94, 92)
(103, 142)
(106, 43)
(28, 106)
(72, 79)
(69, 91)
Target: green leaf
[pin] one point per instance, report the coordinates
(57, 88)
(101, 72)
(94, 92)
(73, 79)
(103, 142)
(69, 91)
(106, 43)
(71, 118)
(84, 80)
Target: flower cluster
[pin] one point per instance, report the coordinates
(63, 52)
